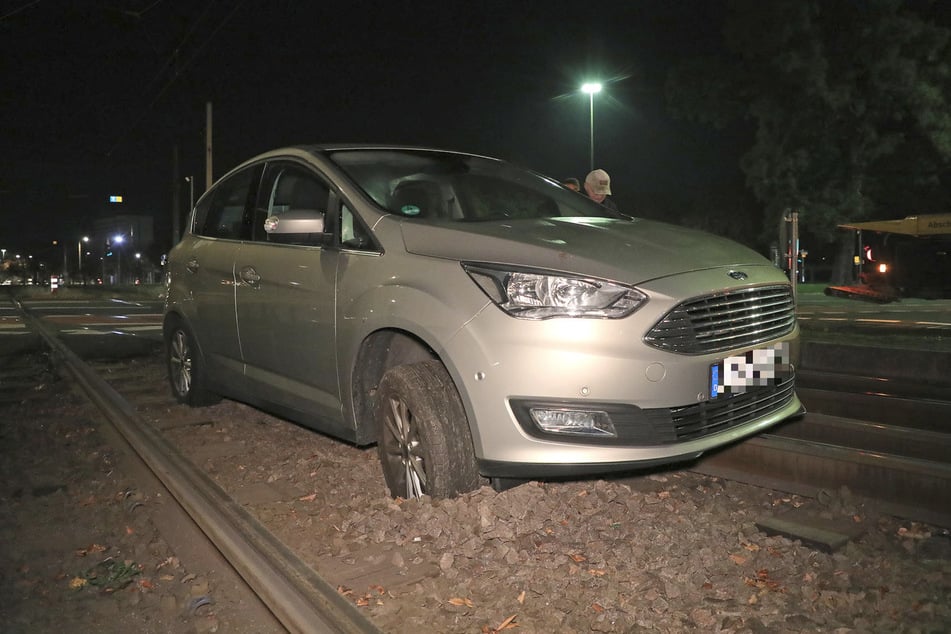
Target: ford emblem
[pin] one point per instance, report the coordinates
(738, 275)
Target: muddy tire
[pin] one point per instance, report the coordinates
(425, 444)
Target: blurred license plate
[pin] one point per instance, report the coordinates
(756, 368)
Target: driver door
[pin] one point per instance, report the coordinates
(285, 296)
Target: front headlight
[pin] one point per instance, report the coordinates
(538, 295)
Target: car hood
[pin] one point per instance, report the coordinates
(632, 251)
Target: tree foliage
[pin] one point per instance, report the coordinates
(849, 100)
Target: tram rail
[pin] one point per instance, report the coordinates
(885, 437)
(138, 388)
(298, 597)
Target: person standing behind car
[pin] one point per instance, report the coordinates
(597, 185)
(572, 184)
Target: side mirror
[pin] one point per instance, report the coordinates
(295, 221)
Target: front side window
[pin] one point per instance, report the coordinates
(292, 206)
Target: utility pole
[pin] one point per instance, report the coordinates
(176, 192)
(207, 146)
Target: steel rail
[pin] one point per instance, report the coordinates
(298, 597)
(903, 486)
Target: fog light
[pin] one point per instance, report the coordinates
(573, 421)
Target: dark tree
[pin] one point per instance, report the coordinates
(850, 101)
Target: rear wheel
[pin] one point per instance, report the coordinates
(425, 444)
(186, 371)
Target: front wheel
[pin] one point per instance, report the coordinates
(186, 371)
(425, 444)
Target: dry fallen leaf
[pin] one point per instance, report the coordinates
(458, 601)
(93, 548)
(521, 598)
(597, 607)
(738, 559)
(507, 624)
(915, 531)
(751, 547)
(594, 572)
(308, 498)
(77, 582)
(578, 558)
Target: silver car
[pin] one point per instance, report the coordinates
(476, 320)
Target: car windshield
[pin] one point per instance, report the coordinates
(445, 186)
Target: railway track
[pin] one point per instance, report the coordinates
(295, 594)
(884, 437)
(361, 554)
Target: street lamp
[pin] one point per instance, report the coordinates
(79, 252)
(591, 89)
(117, 240)
(191, 192)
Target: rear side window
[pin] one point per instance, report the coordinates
(225, 216)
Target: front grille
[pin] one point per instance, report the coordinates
(710, 417)
(726, 321)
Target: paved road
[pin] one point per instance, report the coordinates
(911, 315)
(104, 326)
(134, 321)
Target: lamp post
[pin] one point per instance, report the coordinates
(591, 89)
(191, 192)
(118, 240)
(79, 252)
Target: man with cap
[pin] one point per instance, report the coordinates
(597, 184)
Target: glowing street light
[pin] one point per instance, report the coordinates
(591, 89)
(79, 251)
(117, 240)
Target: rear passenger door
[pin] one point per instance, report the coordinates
(221, 222)
(285, 295)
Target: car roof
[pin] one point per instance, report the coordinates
(326, 148)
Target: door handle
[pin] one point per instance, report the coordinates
(192, 265)
(249, 276)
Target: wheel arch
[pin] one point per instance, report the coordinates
(380, 351)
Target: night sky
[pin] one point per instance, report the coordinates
(98, 94)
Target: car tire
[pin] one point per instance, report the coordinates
(425, 445)
(186, 370)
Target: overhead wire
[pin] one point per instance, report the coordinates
(174, 77)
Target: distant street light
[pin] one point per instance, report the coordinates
(79, 251)
(591, 89)
(117, 240)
